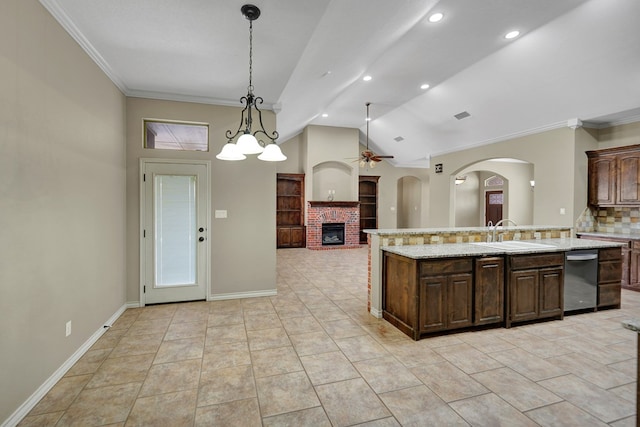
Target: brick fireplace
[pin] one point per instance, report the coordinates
(320, 212)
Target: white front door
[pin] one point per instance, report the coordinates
(174, 227)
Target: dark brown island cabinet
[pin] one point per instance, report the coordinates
(422, 297)
(426, 296)
(535, 287)
(630, 258)
(290, 206)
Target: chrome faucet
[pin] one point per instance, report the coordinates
(495, 227)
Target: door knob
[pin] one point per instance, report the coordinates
(201, 239)
(201, 229)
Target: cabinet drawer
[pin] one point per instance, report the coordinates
(609, 295)
(609, 254)
(446, 266)
(521, 262)
(610, 271)
(635, 245)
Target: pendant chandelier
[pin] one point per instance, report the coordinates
(248, 142)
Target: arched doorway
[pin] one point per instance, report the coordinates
(493, 189)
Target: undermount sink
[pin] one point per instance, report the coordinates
(514, 244)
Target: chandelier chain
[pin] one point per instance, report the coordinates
(250, 57)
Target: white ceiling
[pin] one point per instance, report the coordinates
(573, 59)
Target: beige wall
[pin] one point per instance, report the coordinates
(468, 202)
(243, 245)
(619, 136)
(330, 144)
(62, 199)
(410, 202)
(552, 156)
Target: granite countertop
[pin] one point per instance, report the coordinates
(410, 231)
(632, 324)
(609, 235)
(448, 250)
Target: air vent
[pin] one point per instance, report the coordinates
(462, 115)
(398, 139)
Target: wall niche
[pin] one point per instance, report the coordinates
(333, 181)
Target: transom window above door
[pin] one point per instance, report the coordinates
(173, 135)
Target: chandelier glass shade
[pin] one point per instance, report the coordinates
(247, 141)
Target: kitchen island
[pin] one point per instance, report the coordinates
(428, 288)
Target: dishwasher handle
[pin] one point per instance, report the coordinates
(582, 257)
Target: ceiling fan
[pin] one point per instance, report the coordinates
(368, 157)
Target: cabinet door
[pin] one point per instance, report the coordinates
(628, 178)
(458, 297)
(432, 303)
(524, 295)
(602, 178)
(489, 291)
(551, 292)
(284, 237)
(297, 237)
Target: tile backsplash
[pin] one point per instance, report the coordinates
(616, 220)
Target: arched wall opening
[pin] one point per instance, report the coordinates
(472, 196)
(332, 180)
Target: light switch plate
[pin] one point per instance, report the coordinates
(220, 213)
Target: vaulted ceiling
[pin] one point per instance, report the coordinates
(573, 59)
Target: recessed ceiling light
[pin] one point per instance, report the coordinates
(512, 34)
(424, 86)
(366, 78)
(325, 115)
(436, 17)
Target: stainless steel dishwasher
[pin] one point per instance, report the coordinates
(581, 280)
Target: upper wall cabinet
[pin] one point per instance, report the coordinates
(614, 176)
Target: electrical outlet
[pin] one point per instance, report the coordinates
(68, 329)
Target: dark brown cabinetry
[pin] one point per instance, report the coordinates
(420, 297)
(368, 198)
(629, 259)
(489, 290)
(290, 211)
(445, 294)
(535, 287)
(614, 176)
(609, 275)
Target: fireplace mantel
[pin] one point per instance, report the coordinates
(333, 204)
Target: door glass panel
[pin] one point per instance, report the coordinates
(175, 230)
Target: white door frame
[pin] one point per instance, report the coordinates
(143, 206)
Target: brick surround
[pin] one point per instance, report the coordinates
(319, 213)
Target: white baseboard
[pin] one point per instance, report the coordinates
(375, 312)
(133, 304)
(250, 294)
(33, 400)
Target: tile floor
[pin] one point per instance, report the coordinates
(313, 356)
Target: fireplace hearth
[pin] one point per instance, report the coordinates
(333, 234)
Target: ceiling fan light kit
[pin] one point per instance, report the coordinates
(248, 143)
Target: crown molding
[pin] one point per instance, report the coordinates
(54, 8)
